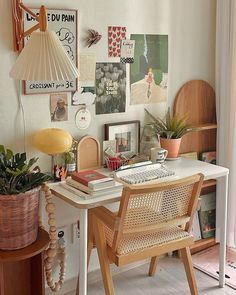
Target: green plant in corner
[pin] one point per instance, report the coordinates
(171, 127)
(16, 175)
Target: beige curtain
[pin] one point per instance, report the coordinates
(226, 103)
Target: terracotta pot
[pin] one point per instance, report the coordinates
(171, 145)
(19, 219)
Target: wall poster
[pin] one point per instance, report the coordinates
(64, 23)
(110, 88)
(149, 72)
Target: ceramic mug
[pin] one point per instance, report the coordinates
(158, 155)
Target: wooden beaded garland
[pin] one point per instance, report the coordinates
(53, 250)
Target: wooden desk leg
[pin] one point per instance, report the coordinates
(82, 283)
(223, 182)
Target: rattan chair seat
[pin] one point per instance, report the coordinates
(136, 242)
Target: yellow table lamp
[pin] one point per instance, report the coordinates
(52, 141)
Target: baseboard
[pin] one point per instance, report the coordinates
(93, 276)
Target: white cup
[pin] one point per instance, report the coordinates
(158, 155)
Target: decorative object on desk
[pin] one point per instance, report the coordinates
(70, 158)
(158, 155)
(44, 58)
(115, 36)
(59, 172)
(110, 88)
(170, 130)
(52, 141)
(209, 157)
(88, 153)
(191, 155)
(93, 38)
(59, 107)
(207, 215)
(149, 69)
(19, 199)
(127, 51)
(83, 118)
(126, 134)
(149, 139)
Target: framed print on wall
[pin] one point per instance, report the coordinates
(64, 23)
(126, 134)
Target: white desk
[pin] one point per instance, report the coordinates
(182, 168)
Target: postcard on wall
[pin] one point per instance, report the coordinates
(84, 95)
(59, 107)
(64, 23)
(127, 51)
(87, 67)
(110, 88)
(149, 72)
(115, 36)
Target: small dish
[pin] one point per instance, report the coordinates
(173, 159)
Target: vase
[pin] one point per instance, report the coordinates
(171, 145)
(19, 219)
(149, 140)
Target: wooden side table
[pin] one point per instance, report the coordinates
(21, 271)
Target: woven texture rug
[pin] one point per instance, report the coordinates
(208, 262)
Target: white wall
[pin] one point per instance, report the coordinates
(191, 28)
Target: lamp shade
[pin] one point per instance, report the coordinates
(52, 141)
(44, 59)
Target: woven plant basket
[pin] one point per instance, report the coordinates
(19, 219)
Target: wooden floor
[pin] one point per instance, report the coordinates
(170, 279)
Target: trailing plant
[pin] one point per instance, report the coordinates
(16, 175)
(172, 126)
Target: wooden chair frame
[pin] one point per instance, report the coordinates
(102, 216)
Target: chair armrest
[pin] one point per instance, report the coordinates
(108, 217)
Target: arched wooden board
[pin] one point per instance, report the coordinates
(88, 153)
(196, 98)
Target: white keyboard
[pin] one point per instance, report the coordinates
(145, 173)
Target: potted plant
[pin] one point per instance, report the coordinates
(70, 158)
(170, 129)
(19, 199)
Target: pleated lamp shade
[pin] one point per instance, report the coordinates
(44, 59)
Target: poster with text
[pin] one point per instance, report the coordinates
(64, 23)
(110, 88)
(149, 72)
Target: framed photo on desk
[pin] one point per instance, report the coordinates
(126, 134)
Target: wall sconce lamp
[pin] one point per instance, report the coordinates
(43, 58)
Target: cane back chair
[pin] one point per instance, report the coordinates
(152, 220)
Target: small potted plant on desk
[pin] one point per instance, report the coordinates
(19, 199)
(170, 129)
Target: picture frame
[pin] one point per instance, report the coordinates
(126, 134)
(65, 23)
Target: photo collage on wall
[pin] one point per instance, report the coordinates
(103, 83)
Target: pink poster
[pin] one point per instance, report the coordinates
(115, 36)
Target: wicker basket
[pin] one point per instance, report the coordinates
(19, 219)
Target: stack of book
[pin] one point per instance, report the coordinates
(92, 184)
(204, 221)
